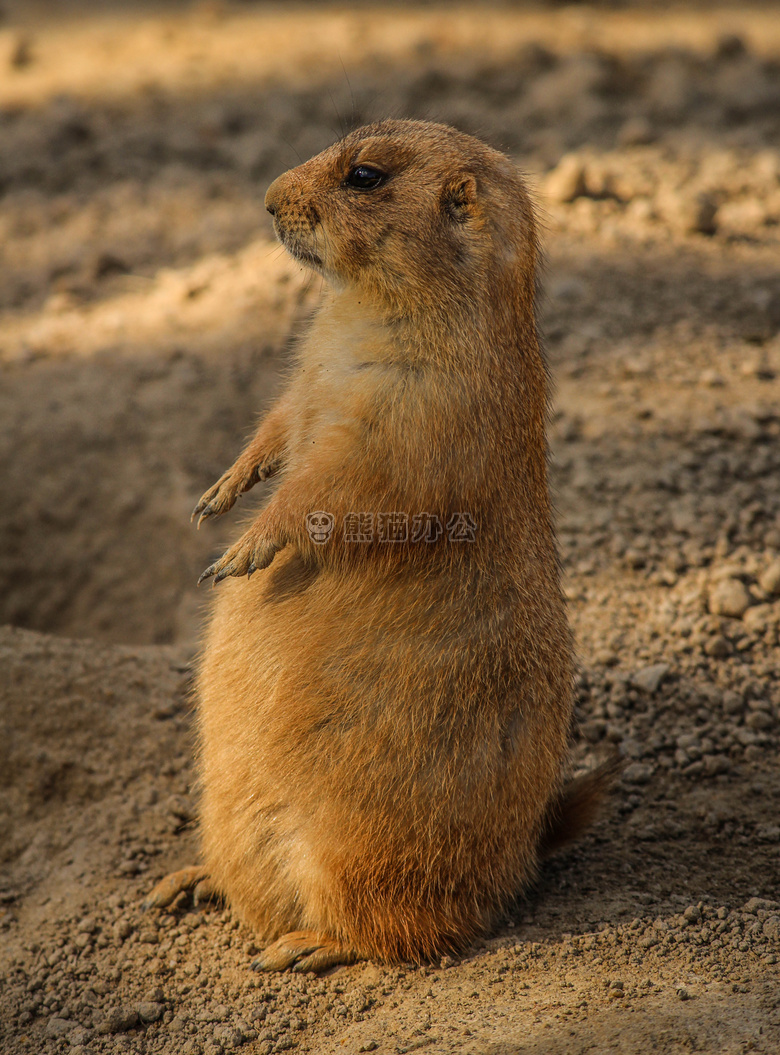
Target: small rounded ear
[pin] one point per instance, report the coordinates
(459, 198)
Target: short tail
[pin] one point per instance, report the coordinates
(577, 805)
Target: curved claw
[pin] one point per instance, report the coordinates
(216, 501)
(222, 496)
(304, 951)
(208, 572)
(224, 572)
(246, 557)
(208, 511)
(168, 889)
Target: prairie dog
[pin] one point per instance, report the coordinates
(384, 720)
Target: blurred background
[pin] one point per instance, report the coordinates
(146, 313)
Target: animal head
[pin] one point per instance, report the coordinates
(413, 214)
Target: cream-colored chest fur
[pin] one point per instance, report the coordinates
(350, 366)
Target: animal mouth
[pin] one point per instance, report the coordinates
(296, 249)
(304, 255)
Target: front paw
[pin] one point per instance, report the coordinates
(222, 496)
(219, 498)
(252, 552)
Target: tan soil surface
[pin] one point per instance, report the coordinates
(145, 322)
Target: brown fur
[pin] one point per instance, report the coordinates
(577, 805)
(383, 726)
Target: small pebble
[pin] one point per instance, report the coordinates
(758, 904)
(118, 1020)
(733, 702)
(769, 580)
(730, 598)
(58, 1027)
(718, 647)
(637, 773)
(123, 929)
(761, 616)
(715, 765)
(648, 679)
(760, 721)
(149, 1011)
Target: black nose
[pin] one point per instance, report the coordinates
(274, 193)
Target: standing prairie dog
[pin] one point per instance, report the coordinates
(384, 708)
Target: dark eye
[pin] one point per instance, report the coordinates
(365, 177)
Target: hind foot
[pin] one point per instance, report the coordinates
(195, 880)
(304, 950)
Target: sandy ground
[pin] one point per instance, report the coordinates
(145, 322)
